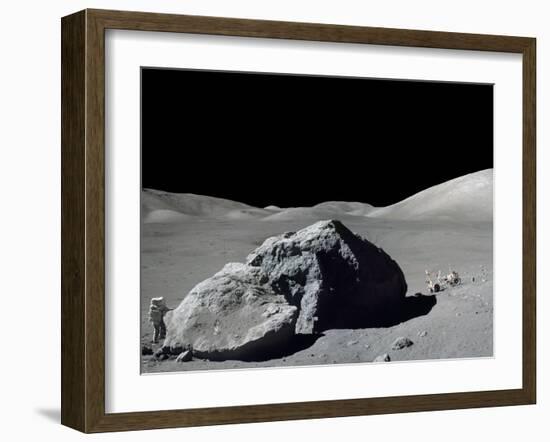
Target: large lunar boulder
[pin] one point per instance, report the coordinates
(325, 270)
(231, 315)
(294, 283)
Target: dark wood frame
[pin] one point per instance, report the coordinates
(83, 217)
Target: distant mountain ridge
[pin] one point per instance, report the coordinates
(190, 203)
(467, 198)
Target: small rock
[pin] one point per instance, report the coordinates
(185, 356)
(145, 350)
(401, 343)
(473, 279)
(458, 314)
(382, 358)
(350, 343)
(423, 334)
(367, 346)
(161, 354)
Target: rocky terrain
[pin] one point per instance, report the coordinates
(287, 298)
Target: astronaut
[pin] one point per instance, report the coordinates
(157, 310)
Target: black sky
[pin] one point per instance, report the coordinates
(299, 140)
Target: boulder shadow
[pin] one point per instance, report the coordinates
(296, 343)
(387, 315)
(383, 316)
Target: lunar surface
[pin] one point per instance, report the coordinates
(187, 238)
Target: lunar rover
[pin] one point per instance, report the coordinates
(452, 278)
(440, 282)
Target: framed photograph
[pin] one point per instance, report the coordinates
(267, 221)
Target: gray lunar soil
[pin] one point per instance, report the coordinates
(188, 238)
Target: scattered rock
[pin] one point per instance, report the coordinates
(350, 343)
(161, 354)
(401, 343)
(423, 334)
(185, 356)
(146, 351)
(382, 358)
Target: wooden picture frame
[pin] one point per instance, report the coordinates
(83, 220)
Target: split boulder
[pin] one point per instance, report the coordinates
(294, 283)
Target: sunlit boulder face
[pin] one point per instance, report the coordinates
(294, 283)
(231, 315)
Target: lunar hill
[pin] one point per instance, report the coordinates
(467, 198)
(155, 203)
